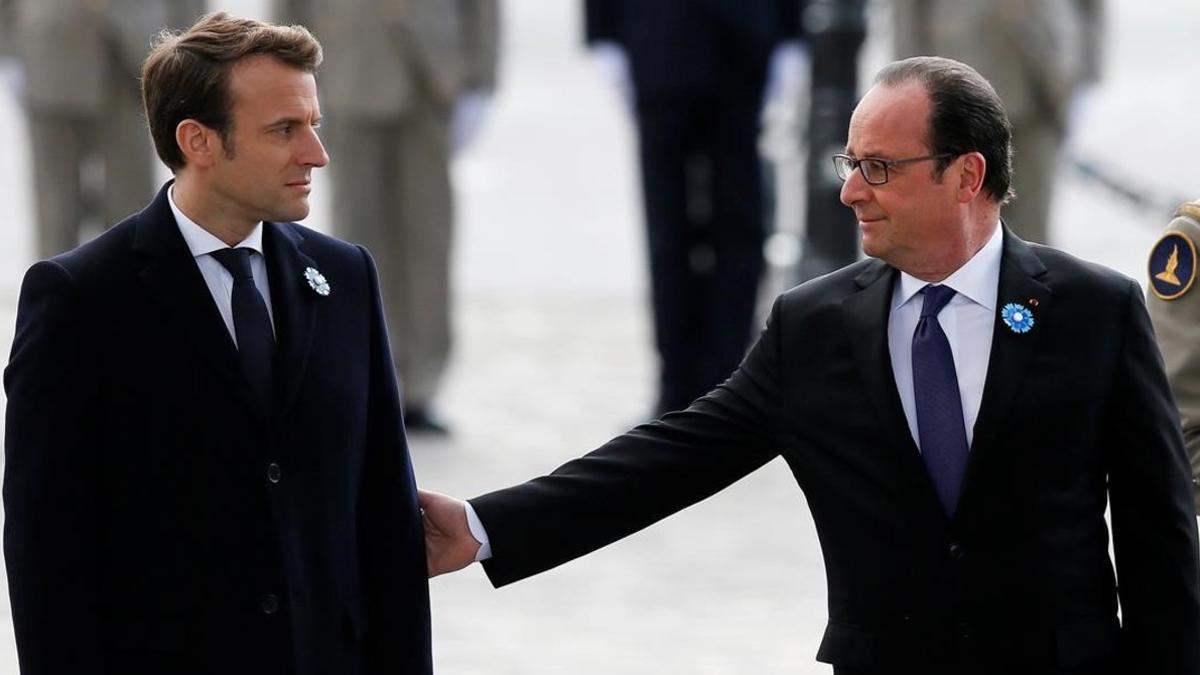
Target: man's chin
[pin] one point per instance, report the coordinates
(292, 213)
(869, 246)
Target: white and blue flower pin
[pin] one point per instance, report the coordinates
(317, 281)
(1018, 317)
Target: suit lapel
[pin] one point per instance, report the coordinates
(294, 305)
(1009, 361)
(867, 314)
(174, 281)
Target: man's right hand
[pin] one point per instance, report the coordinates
(449, 546)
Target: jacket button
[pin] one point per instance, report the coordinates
(274, 473)
(269, 603)
(957, 551)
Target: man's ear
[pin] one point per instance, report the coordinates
(198, 143)
(971, 175)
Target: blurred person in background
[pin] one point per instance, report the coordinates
(92, 160)
(407, 84)
(1042, 56)
(1174, 304)
(693, 73)
(9, 65)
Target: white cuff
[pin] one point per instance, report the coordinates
(480, 534)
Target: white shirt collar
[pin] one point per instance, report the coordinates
(978, 279)
(202, 242)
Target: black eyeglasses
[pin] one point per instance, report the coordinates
(875, 170)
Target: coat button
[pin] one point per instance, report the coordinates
(274, 473)
(957, 551)
(269, 603)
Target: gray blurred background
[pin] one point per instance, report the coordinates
(553, 348)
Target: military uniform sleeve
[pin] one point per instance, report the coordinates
(481, 44)
(50, 476)
(1174, 305)
(1092, 14)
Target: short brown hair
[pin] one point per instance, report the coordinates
(186, 75)
(966, 115)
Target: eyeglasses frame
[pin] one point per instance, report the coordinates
(856, 163)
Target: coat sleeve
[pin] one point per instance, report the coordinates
(1153, 518)
(391, 536)
(50, 475)
(637, 479)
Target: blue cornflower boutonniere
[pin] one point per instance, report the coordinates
(317, 281)
(1017, 317)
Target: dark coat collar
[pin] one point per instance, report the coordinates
(171, 275)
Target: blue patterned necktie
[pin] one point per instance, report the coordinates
(940, 423)
(251, 323)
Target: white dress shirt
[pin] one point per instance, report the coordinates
(968, 320)
(201, 243)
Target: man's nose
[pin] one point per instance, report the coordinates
(314, 152)
(854, 189)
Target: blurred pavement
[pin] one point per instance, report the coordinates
(553, 353)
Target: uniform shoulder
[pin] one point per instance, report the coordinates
(1172, 266)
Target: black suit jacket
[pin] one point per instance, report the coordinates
(1076, 414)
(142, 531)
(705, 47)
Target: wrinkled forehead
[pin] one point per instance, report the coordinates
(890, 121)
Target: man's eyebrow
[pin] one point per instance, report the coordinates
(291, 119)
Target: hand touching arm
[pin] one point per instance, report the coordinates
(449, 544)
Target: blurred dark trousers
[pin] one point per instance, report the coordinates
(703, 195)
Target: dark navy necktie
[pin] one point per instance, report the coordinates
(940, 423)
(251, 323)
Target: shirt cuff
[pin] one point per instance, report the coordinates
(480, 534)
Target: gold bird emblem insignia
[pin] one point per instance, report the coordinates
(1168, 274)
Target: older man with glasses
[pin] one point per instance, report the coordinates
(959, 409)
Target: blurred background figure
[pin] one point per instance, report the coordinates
(405, 84)
(11, 72)
(7, 36)
(835, 31)
(1040, 55)
(693, 73)
(92, 160)
(1174, 304)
